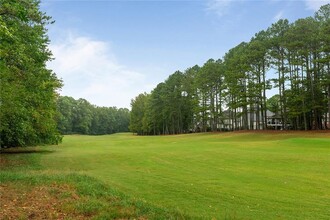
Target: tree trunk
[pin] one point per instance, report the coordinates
(327, 126)
(264, 99)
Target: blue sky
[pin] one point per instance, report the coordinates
(109, 51)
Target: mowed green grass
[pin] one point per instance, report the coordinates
(224, 175)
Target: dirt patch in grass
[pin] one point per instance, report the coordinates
(38, 202)
(3, 161)
(6, 162)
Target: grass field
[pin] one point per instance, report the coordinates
(247, 175)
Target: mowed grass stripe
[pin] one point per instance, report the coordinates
(227, 175)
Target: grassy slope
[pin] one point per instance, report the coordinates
(231, 175)
(219, 175)
(29, 190)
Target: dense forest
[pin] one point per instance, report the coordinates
(27, 88)
(230, 93)
(81, 117)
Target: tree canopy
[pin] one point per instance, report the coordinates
(27, 88)
(81, 117)
(230, 93)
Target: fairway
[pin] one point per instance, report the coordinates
(226, 175)
(234, 175)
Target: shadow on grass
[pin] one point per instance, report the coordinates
(25, 151)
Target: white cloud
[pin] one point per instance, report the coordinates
(278, 16)
(315, 4)
(220, 7)
(90, 70)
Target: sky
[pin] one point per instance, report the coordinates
(110, 51)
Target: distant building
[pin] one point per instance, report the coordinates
(255, 122)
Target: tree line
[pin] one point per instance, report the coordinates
(81, 117)
(31, 110)
(230, 93)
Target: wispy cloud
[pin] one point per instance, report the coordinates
(90, 70)
(278, 16)
(220, 7)
(314, 5)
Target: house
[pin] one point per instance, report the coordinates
(254, 122)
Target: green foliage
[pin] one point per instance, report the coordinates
(81, 117)
(273, 104)
(27, 87)
(168, 109)
(138, 114)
